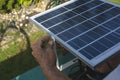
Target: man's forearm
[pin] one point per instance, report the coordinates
(54, 74)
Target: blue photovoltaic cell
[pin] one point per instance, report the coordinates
(113, 24)
(80, 29)
(96, 10)
(89, 27)
(49, 15)
(118, 31)
(76, 4)
(60, 27)
(86, 6)
(107, 42)
(89, 52)
(78, 42)
(99, 46)
(107, 15)
(113, 38)
(86, 54)
(58, 19)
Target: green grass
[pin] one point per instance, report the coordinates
(115, 1)
(14, 61)
(15, 48)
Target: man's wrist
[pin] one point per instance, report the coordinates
(48, 68)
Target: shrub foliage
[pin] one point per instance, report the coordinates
(8, 5)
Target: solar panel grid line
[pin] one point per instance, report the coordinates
(59, 18)
(84, 40)
(91, 50)
(46, 16)
(117, 36)
(107, 20)
(82, 29)
(117, 32)
(80, 5)
(105, 16)
(94, 47)
(95, 11)
(56, 16)
(86, 7)
(105, 55)
(111, 24)
(76, 15)
(113, 38)
(87, 53)
(72, 27)
(66, 11)
(75, 45)
(97, 49)
(99, 35)
(106, 41)
(103, 48)
(110, 40)
(82, 34)
(102, 24)
(103, 45)
(99, 44)
(83, 22)
(103, 11)
(63, 21)
(77, 3)
(93, 27)
(99, 38)
(90, 9)
(52, 9)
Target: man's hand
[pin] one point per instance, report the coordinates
(46, 58)
(44, 55)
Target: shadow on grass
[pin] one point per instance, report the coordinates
(20, 63)
(17, 65)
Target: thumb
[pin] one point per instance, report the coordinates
(50, 44)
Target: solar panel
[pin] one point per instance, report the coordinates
(90, 29)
